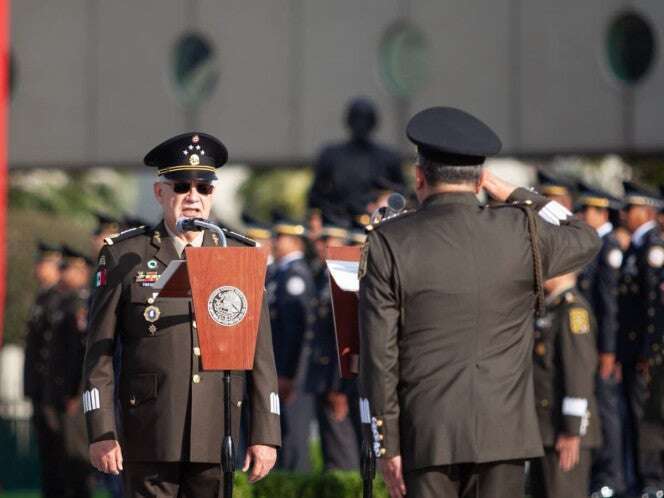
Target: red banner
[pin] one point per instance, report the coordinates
(4, 110)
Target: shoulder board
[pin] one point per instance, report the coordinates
(239, 237)
(389, 220)
(127, 234)
(519, 204)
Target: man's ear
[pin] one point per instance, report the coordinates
(158, 190)
(419, 178)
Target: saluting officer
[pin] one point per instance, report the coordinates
(171, 411)
(565, 362)
(641, 314)
(598, 282)
(335, 398)
(447, 296)
(38, 350)
(292, 302)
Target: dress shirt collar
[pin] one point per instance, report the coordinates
(605, 229)
(639, 233)
(289, 258)
(180, 243)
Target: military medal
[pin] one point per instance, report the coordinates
(152, 264)
(147, 278)
(152, 329)
(151, 313)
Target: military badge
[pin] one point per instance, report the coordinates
(227, 305)
(364, 256)
(147, 278)
(151, 314)
(100, 279)
(102, 260)
(152, 264)
(579, 321)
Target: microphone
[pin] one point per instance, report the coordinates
(196, 225)
(396, 203)
(189, 225)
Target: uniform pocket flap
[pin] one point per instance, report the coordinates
(142, 388)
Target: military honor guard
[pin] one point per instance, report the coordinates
(598, 283)
(565, 362)
(39, 340)
(446, 306)
(336, 399)
(640, 315)
(292, 306)
(170, 410)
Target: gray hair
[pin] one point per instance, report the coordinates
(436, 172)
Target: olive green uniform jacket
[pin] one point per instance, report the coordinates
(565, 366)
(446, 326)
(170, 410)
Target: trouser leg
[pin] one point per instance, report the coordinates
(503, 479)
(607, 467)
(200, 480)
(50, 445)
(433, 482)
(296, 417)
(548, 481)
(338, 439)
(151, 479)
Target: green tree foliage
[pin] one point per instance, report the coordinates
(54, 207)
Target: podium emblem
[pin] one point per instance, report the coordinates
(227, 305)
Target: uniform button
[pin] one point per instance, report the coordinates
(379, 423)
(196, 378)
(631, 336)
(193, 324)
(239, 404)
(651, 312)
(132, 400)
(197, 351)
(151, 300)
(382, 451)
(544, 403)
(380, 437)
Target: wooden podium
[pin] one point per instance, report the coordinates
(226, 287)
(343, 263)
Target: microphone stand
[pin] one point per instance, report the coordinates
(227, 446)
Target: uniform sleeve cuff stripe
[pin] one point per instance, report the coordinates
(575, 407)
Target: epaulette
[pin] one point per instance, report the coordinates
(124, 235)
(239, 237)
(526, 203)
(387, 221)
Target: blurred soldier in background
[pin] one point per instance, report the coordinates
(335, 398)
(292, 297)
(38, 349)
(65, 370)
(640, 315)
(262, 234)
(564, 367)
(106, 226)
(345, 172)
(598, 283)
(556, 188)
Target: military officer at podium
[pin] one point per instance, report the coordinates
(447, 295)
(171, 411)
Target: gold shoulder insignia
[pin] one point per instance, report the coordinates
(362, 269)
(579, 320)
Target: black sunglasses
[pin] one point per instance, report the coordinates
(185, 187)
